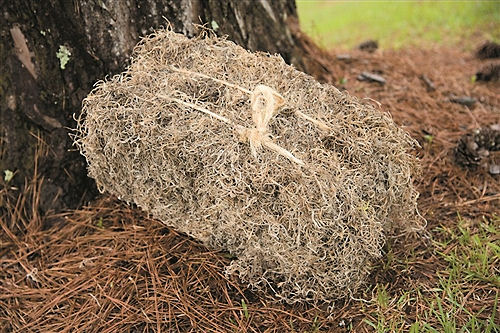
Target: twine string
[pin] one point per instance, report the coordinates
(265, 103)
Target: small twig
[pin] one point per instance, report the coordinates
(430, 85)
(483, 199)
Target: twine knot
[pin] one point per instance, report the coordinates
(265, 103)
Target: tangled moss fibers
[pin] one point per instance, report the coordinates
(179, 135)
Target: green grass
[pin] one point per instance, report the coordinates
(471, 251)
(398, 23)
(475, 251)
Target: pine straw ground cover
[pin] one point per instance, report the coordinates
(109, 267)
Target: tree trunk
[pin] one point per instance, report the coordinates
(52, 52)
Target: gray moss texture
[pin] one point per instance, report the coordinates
(297, 180)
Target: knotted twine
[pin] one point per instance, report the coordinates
(265, 103)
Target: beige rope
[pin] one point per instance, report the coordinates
(316, 122)
(199, 108)
(302, 115)
(265, 103)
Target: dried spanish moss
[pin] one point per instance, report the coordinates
(177, 135)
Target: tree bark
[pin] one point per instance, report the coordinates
(53, 51)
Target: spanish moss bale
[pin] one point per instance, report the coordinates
(304, 228)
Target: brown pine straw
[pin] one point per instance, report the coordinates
(435, 122)
(109, 268)
(178, 285)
